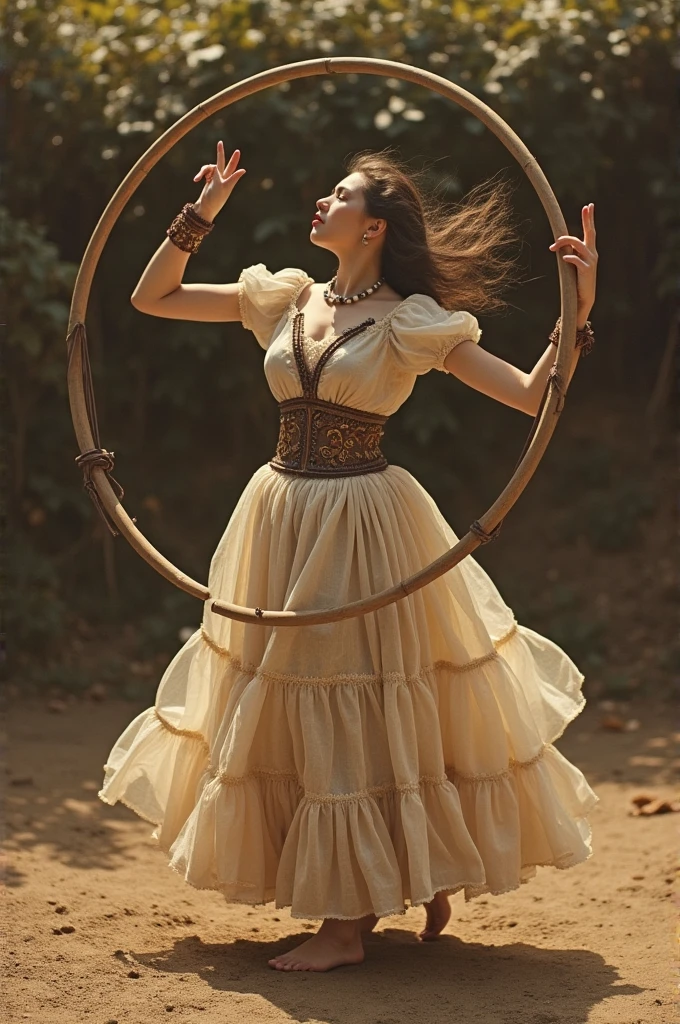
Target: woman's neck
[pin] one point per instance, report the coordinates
(355, 274)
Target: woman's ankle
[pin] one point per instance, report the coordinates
(341, 930)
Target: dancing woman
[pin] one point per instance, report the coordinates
(350, 769)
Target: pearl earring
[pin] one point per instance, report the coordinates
(364, 240)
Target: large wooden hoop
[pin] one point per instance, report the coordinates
(97, 461)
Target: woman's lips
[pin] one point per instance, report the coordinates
(316, 220)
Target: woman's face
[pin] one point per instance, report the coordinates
(343, 216)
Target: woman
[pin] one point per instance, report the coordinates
(343, 769)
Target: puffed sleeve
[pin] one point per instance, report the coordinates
(264, 297)
(423, 333)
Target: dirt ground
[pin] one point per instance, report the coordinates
(99, 929)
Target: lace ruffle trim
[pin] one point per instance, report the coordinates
(128, 804)
(473, 890)
(226, 891)
(242, 302)
(290, 775)
(358, 679)
(449, 347)
(371, 792)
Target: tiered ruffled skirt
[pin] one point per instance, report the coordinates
(348, 768)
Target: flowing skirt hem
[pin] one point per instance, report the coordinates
(236, 816)
(472, 889)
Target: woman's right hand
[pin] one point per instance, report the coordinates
(219, 183)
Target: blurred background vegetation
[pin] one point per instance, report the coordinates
(584, 557)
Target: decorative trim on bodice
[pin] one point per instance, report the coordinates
(320, 438)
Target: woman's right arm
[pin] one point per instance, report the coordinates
(160, 292)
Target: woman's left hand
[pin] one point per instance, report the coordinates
(585, 260)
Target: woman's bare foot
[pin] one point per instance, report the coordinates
(368, 922)
(438, 914)
(335, 943)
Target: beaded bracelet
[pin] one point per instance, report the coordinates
(585, 338)
(188, 229)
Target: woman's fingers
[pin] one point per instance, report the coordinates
(233, 178)
(576, 260)
(220, 165)
(568, 240)
(585, 246)
(576, 243)
(224, 170)
(220, 178)
(207, 169)
(588, 217)
(233, 161)
(585, 257)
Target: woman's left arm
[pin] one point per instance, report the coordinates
(505, 382)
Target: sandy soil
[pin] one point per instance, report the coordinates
(99, 929)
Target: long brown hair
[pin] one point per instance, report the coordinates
(451, 252)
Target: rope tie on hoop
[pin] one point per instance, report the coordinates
(76, 341)
(553, 380)
(480, 532)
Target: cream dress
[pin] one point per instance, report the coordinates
(363, 765)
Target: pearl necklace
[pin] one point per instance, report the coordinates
(331, 297)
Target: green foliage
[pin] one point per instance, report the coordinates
(558, 613)
(184, 405)
(609, 516)
(176, 611)
(579, 634)
(37, 615)
(36, 287)
(605, 499)
(613, 517)
(586, 465)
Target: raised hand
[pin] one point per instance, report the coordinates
(220, 180)
(584, 259)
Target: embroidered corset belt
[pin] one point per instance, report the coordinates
(319, 438)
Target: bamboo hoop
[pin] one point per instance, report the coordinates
(97, 462)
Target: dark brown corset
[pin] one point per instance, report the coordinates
(319, 438)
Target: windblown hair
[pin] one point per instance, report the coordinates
(451, 252)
